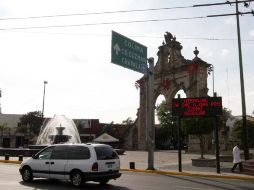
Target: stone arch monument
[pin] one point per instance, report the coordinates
(172, 73)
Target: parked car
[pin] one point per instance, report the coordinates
(75, 162)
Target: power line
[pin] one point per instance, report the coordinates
(225, 3)
(98, 13)
(104, 23)
(123, 11)
(127, 22)
(231, 14)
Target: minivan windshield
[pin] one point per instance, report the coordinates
(105, 153)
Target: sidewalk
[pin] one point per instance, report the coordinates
(166, 162)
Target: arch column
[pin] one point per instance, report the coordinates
(142, 141)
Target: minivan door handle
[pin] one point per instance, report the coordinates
(52, 162)
(46, 162)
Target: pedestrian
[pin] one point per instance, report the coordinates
(236, 158)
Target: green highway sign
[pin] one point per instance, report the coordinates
(128, 53)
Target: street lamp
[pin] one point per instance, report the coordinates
(42, 112)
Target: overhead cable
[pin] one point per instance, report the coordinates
(103, 23)
(98, 13)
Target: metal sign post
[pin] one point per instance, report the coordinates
(179, 145)
(132, 55)
(217, 147)
(150, 115)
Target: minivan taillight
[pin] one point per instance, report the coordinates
(95, 167)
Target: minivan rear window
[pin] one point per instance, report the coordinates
(105, 153)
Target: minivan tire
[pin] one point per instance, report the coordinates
(27, 174)
(77, 178)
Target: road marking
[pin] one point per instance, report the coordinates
(185, 187)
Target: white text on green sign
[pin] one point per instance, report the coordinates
(128, 53)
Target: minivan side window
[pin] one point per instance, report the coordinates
(45, 154)
(78, 152)
(59, 153)
(105, 153)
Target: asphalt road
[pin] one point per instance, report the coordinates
(10, 179)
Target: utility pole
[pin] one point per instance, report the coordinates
(245, 129)
(150, 115)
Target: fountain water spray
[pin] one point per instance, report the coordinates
(59, 129)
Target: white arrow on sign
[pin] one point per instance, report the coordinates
(117, 48)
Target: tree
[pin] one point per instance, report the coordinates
(165, 133)
(2, 128)
(33, 121)
(198, 126)
(111, 130)
(128, 121)
(201, 126)
(227, 114)
(238, 134)
(164, 115)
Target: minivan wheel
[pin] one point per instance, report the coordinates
(77, 178)
(27, 174)
(104, 182)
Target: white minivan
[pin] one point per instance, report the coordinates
(75, 162)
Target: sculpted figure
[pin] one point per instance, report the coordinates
(168, 37)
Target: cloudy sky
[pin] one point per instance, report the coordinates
(74, 55)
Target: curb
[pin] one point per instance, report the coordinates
(10, 161)
(201, 174)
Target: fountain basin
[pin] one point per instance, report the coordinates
(26, 152)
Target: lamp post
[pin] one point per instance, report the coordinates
(42, 112)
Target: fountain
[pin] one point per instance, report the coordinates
(59, 137)
(59, 129)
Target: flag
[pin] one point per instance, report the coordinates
(165, 84)
(210, 69)
(137, 85)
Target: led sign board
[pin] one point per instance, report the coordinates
(197, 107)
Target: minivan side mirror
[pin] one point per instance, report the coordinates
(34, 156)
